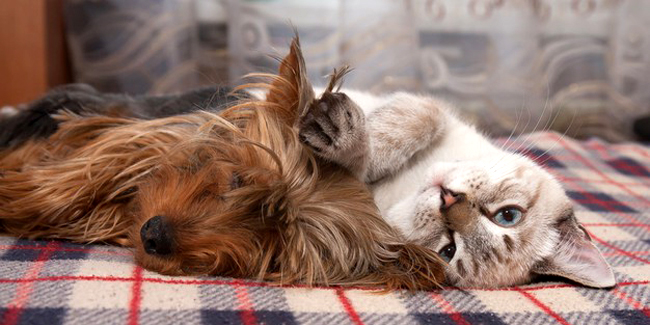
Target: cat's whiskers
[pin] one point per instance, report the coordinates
(546, 105)
(523, 142)
(518, 116)
(556, 142)
(547, 126)
(562, 136)
(508, 141)
(509, 148)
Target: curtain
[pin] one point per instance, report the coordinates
(580, 67)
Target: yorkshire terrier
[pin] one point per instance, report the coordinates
(231, 194)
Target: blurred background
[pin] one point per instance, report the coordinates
(575, 66)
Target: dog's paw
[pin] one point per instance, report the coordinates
(333, 126)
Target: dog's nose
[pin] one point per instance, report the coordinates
(449, 198)
(156, 236)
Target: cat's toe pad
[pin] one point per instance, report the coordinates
(332, 123)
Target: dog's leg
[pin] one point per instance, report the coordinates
(334, 127)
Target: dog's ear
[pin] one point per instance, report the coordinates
(292, 90)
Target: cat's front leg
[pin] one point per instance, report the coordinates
(334, 127)
(399, 129)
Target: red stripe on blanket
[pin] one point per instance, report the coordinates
(597, 181)
(136, 296)
(624, 252)
(246, 308)
(631, 252)
(587, 163)
(347, 305)
(61, 249)
(636, 149)
(449, 309)
(24, 290)
(263, 284)
(543, 307)
(592, 199)
(632, 302)
(642, 225)
(618, 164)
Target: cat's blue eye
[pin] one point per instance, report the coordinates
(508, 216)
(448, 252)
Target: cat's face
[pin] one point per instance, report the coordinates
(500, 221)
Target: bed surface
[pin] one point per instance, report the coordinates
(52, 282)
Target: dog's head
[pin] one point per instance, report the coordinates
(206, 210)
(216, 200)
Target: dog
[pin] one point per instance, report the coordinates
(231, 194)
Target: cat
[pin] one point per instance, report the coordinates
(494, 216)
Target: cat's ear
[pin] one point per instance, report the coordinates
(291, 91)
(577, 258)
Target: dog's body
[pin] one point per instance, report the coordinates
(234, 194)
(38, 121)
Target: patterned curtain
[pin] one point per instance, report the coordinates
(575, 66)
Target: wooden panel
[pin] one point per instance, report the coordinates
(58, 67)
(32, 51)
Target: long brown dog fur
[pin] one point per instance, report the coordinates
(243, 196)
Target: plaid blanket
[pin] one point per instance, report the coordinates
(53, 282)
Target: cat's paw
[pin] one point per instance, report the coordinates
(334, 127)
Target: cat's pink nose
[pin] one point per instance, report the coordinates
(449, 198)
